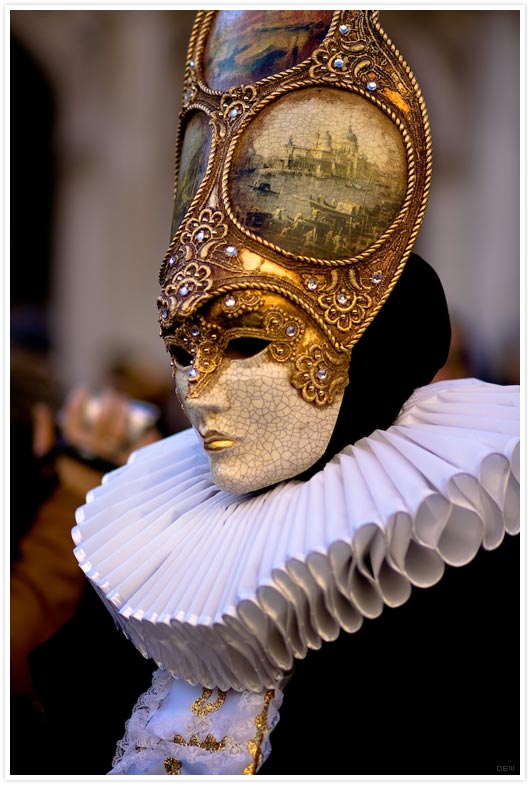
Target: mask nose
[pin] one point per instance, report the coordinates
(213, 397)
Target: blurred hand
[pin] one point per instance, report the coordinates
(98, 428)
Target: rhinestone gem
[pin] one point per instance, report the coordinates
(321, 374)
(371, 86)
(230, 301)
(171, 261)
(200, 236)
(342, 298)
(290, 330)
(312, 284)
(184, 290)
(338, 62)
(343, 29)
(192, 63)
(192, 374)
(233, 112)
(164, 313)
(230, 250)
(195, 331)
(377, 278)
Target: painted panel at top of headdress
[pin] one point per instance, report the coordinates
(194, 155)
(320, 173)
(246, 46)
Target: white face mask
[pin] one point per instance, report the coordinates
(256, 428)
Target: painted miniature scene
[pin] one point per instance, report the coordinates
(333, 187)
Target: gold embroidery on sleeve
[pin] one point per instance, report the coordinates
(210, 743)
(200, 708)
(173, 766)
(254, 745)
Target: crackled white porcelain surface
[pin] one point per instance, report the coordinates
(275, 434)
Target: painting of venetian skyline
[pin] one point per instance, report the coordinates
(320, 173)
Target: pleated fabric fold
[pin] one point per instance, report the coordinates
(226, 591)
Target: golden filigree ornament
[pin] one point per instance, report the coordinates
(297, 205)
(236, 101)
(200, 344)
(320, 375)
(345, 299)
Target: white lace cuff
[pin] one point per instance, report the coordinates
(179, 729)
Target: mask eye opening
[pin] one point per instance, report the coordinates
(181, 356)
(244, 347)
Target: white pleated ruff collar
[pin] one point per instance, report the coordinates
(226, 591)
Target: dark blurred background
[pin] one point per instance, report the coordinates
(94, 102)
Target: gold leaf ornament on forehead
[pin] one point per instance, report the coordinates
(303, 169)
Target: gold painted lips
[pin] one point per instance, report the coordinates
(214, 442)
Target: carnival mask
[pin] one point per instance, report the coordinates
(303, 165)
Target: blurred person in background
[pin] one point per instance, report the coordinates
(58, 466)
(140, 379)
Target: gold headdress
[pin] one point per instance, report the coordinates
(303, 168)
